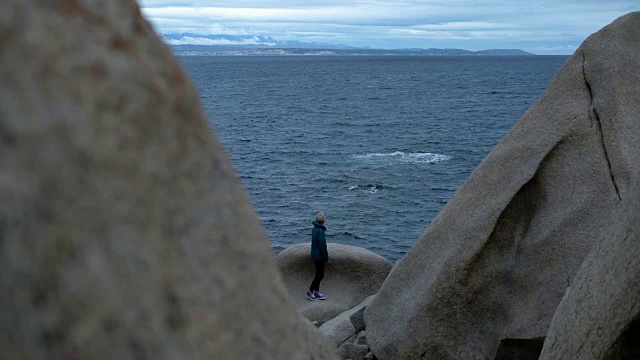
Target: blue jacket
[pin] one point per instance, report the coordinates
(318, 242)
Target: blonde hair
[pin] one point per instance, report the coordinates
(320, 218)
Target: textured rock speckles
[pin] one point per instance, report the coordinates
(495, 263)
(599, 318)
(124, 232)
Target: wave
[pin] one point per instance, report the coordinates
(421, 158)
(370, 188)
(437, 188)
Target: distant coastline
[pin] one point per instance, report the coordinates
(221, 50)
(188, 44)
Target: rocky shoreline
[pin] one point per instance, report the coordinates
(125, 233)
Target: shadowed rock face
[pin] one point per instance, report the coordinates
(351, 275)
(495, 263)
(124, 233)
(519, 349)
(599, 318)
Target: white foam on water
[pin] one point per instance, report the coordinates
(371, 189)
(400, 156)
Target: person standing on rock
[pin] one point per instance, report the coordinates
(319, 255)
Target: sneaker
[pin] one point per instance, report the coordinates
(319, 296)
(311, 296)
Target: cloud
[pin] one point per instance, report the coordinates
(543, 26)
(424, 34)
(189, 40)
(557, 49)
(217, 29)
(330, 15)
(468, 25)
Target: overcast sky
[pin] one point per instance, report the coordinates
(538, 26)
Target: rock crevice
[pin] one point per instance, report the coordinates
(593, 113)
(497, 260)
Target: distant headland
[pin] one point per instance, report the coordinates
(187, 44)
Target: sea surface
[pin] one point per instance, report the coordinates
(377, 143)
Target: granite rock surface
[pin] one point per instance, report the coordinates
(351, 275)
(124, 232)
(493, 266)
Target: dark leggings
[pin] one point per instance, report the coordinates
(315, 285)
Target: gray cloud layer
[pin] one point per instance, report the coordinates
(541, 27)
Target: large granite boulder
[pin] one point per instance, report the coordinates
(495, 263)
(599, 318)
(124, 232)
(351, 275)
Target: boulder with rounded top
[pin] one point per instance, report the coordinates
(351, 275)
(495, 263)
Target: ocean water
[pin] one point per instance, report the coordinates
(379, 144)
